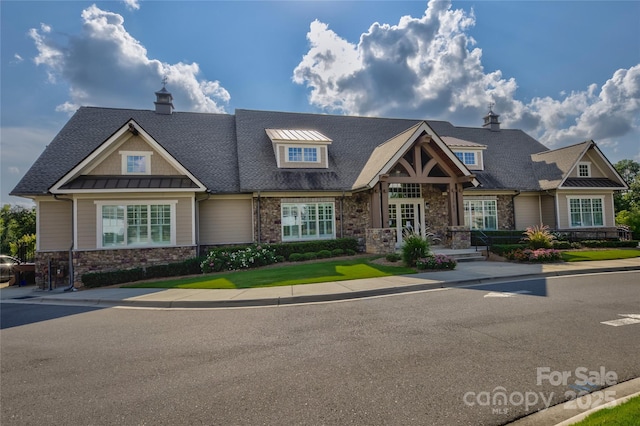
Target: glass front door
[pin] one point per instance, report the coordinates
(405, 218)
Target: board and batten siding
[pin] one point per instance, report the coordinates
(226, 221)
(563, 206)
(527, 211)
(548, 207)
(86, 224)
(54, 233)
(184, 221)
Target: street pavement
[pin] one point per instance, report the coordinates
(466, 274)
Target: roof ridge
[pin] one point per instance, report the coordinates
(563, 147)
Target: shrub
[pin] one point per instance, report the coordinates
(101, 279)
(337, 252)
(350, 252)
(539, 255)
(392, 257)
(502, 249)
(285, 249)
(438, 261)
(608, 243)
(296, 257)
(279, 259)
(324, 254)
(414, 248)
(561, 245)
(310, 255)
(231, 260)
(539, 236)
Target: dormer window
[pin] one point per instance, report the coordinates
(300, 148)
(584, 169)
(467, 158)
(136, 163)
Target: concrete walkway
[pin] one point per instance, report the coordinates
(466, 273)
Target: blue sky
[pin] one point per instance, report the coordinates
(562, 71)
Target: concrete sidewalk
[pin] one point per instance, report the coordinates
(466, 273)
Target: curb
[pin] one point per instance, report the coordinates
(293, 300)
(559, 415)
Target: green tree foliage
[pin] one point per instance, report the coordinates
(627, 203)
(15, 223)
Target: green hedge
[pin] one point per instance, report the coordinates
(497, 237)
(101, 279)
(608, 243)
(502, 249)
(286, 249)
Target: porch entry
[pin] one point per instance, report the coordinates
(406, 217)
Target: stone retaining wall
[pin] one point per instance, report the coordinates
(458, 237)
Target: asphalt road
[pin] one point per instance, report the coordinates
(440, 357)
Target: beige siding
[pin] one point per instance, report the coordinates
(226, 221)
(527, 211)
(563, 206)
(54, 225)
(184, 221)
(599, 168)
(112, 164)
(548, 207)
(86, 224)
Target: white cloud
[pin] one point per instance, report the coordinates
(104, 65)
(430, 67)
(132, 4)
(17, 58)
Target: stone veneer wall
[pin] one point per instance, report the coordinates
(506, 212)
(437, 215)
(59, 262)
(112, 260)
(351, 222)
(458, 237)
(381, 240)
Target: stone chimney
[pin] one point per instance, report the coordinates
(164, 100)
(491, 120)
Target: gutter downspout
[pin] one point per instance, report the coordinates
(258, 219)
(197, 219)
(342, 216)
(73, 238)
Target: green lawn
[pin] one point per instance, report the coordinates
(304, 273)
(579, 256)
(620, 415)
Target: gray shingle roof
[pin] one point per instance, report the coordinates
(203, 143)
(233, 153)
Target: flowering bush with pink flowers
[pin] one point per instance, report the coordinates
(539, 255)
(437, 261)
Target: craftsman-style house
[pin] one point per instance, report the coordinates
(119, 188)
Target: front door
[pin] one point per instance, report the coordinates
(405, 217)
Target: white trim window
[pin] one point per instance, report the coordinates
(135, 224)
(481, 214)
(468, 158)
(584, 169)
(299, 154)
(136, 162)
(307, 221)
(586, 212)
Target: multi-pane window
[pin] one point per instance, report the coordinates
(467, 158)
(307, 221)
(405, 190)
(481, 214)
(136, 225)
(585, 212)
(136, 162)
(299, 154)
(584, 169)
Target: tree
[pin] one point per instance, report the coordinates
(15, 223)
(630, 172)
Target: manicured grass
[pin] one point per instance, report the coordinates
(620, 415)
(579, 256)
(304, 273)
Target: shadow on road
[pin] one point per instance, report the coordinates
(530, 287)
(15, 315)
